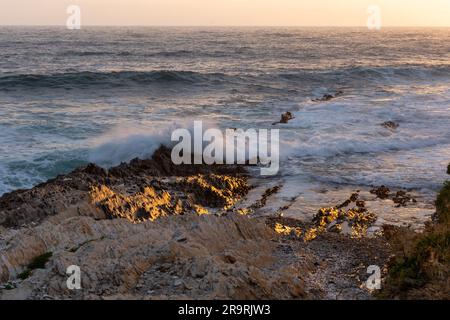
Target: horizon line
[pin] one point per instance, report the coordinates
(224, 26)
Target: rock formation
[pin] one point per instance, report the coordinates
(328, 97)
(285, 118)
(143, 230)
(149, 229)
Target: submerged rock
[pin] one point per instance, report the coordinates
(285, 118)
(382, 192)
(328, 97)
(390, 125)
(402, 198)
(266, 195)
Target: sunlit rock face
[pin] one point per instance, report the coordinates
(142, 230)
(174, 196)
(140, 190)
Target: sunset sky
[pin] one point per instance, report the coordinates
(227, 12)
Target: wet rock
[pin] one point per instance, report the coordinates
(353, 222)
(93, 169)
(213, 190)
(402, 198)
(328, 97)
(147, 205)
(382, 192)
(285, 118)
(361, 204)
(126, 186)
(353, 198)
(390, 125)
(267, 194)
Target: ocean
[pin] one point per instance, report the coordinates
(108, 95)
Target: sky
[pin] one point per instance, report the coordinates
(226, 12)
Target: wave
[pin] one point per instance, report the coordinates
(328, 147)
(165, 54)
(109, 79)
(83, 79)
(72, 53)
(123, 144)
(129, 141)
(371, 73)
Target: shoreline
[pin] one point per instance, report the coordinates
(148, 224)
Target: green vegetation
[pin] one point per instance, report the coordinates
(9, 286)
(443, 204)
(421, 268)
(38, 262)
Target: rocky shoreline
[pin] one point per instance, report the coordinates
(152, 230)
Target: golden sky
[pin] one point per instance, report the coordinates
(227, 12)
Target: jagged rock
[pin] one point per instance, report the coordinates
(353, 198)
(390, 125)
(402, 198)
(285, 118)
(216, 190)
(72, 192)
(354, 222)
(141, 230)
(361, 204)
(328, 97)
(382, 192)
(262, 202)
(95, 170)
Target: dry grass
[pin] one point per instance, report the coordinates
(421, 267)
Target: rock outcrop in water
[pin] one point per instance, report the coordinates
(401, 198)
(390, 125)
(328, 97)
(285, 118)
